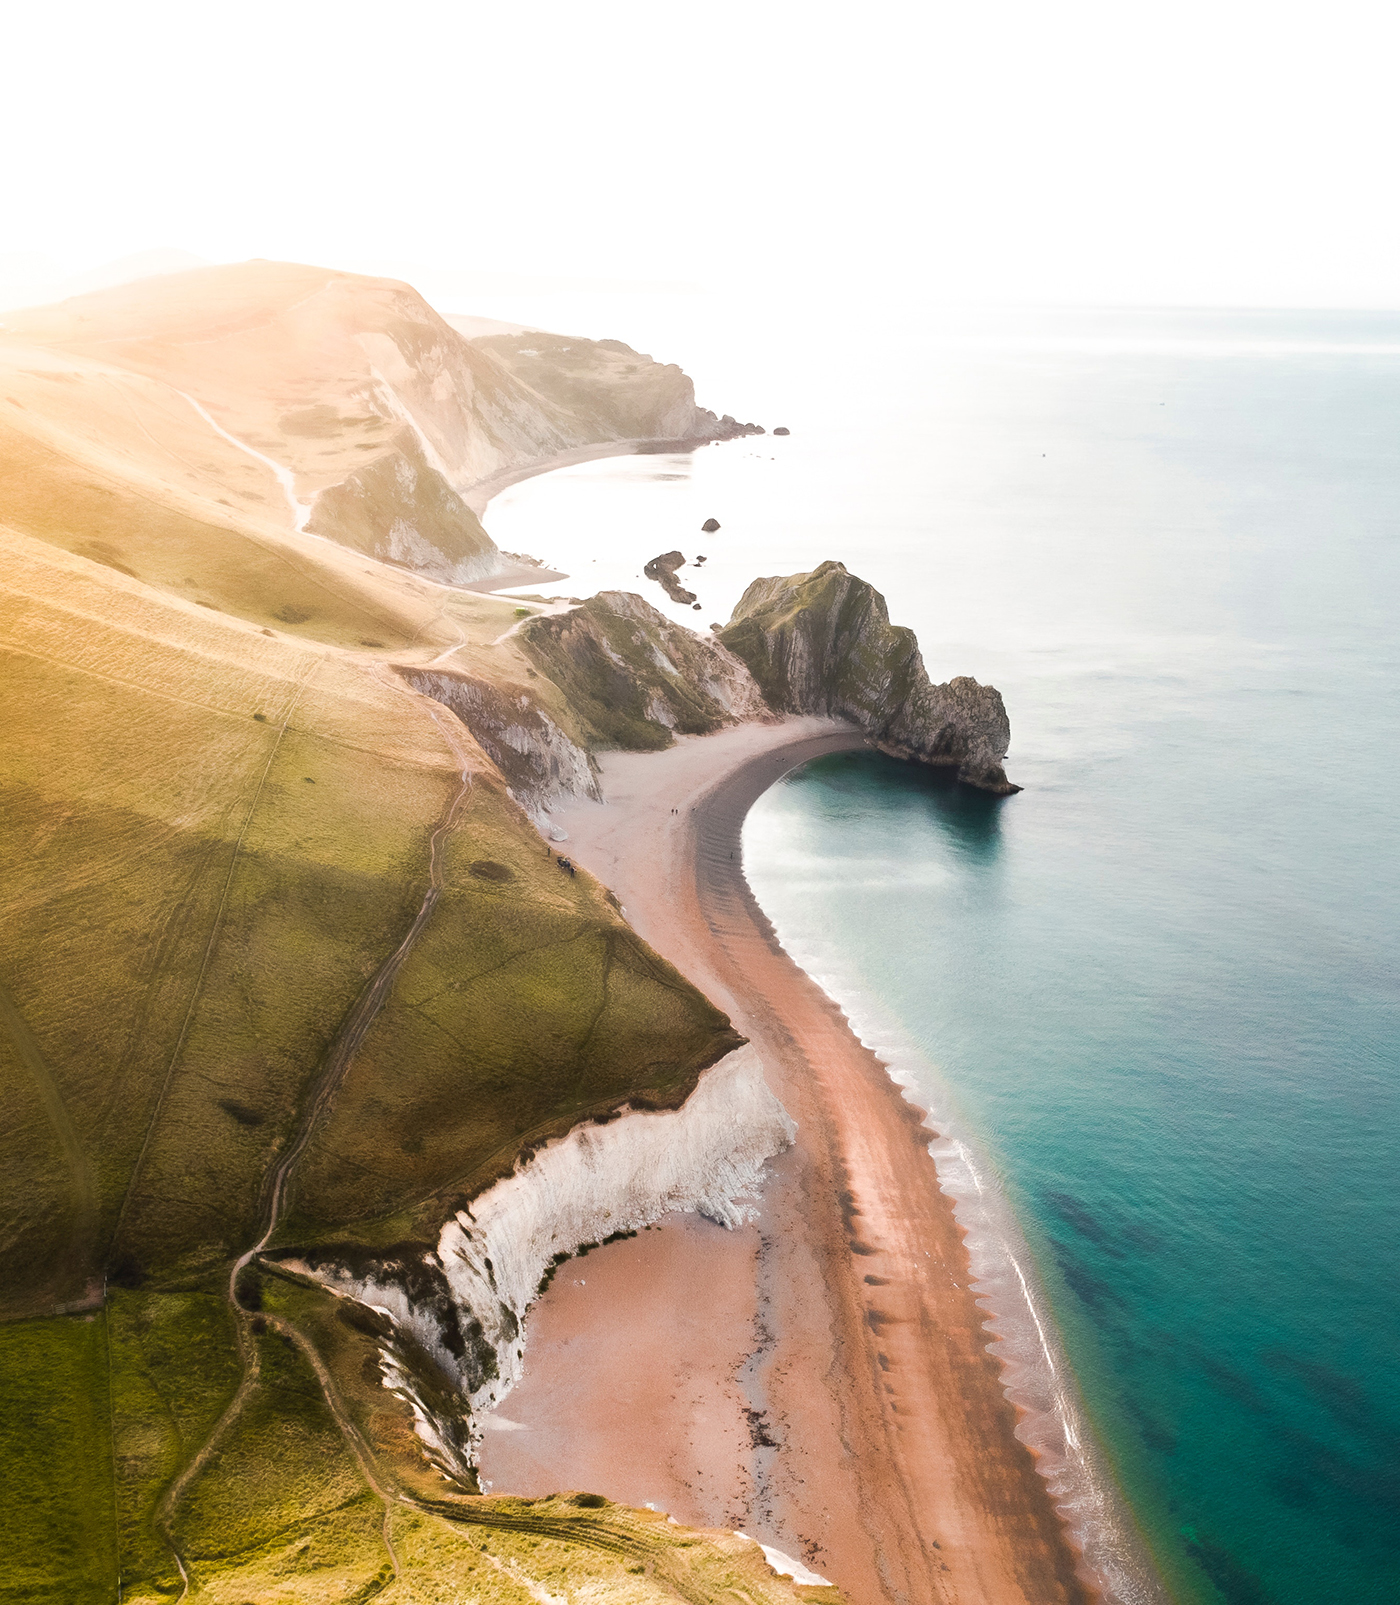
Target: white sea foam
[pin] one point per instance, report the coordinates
(1035, 1373)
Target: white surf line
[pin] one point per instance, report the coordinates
(301, 511)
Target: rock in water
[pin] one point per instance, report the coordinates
(822, 643)
(782, 431)
(663, 570)
(710, 525)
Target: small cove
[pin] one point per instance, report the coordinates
(1159, 989)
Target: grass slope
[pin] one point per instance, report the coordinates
(212, 839)
(222, 817)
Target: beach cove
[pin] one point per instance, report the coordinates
(1153, 995)
(822, 1377)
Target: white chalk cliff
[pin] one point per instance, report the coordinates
(599, 1181)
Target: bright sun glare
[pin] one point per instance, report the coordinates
(1234, 153)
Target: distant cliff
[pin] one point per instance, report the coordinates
(823, 643)
(376, 415)
(603, 390)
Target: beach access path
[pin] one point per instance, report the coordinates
(819, 1379)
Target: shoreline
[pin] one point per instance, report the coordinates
(478, 494)
(886, 1450)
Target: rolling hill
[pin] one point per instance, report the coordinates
(286, 969)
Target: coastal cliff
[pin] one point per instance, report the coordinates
(459, 1310)
(289, 977)
(607, 391)
(633, 679)
(313, 402)
(823, 643)
(613, 673)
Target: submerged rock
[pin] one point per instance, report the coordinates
(822, 643)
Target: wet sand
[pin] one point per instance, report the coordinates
(879, 1447)
(598, 1363)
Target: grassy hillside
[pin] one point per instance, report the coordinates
(223, 818)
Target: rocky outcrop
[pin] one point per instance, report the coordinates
(726, 428)
(663, 570)
(400, 509)
(822, 643)
(541, 763)
(632, 679)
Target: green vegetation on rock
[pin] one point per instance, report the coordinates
(823, 643)
(287, 975)
(634, 680)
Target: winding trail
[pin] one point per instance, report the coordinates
(301, 511)
(337, 1060)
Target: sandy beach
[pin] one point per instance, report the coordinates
(819, 1380)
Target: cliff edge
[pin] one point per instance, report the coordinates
(822, 643)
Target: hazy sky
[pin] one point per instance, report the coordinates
(1223, 153)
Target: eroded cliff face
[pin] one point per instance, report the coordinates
(541, 763)
(399, 509)
(633, 679)
(822, 643)
(453, 1338)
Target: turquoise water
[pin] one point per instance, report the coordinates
(1159, 991)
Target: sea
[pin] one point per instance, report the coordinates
(1152, 1002)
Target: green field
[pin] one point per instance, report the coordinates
(213, 840)
(281, 959)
